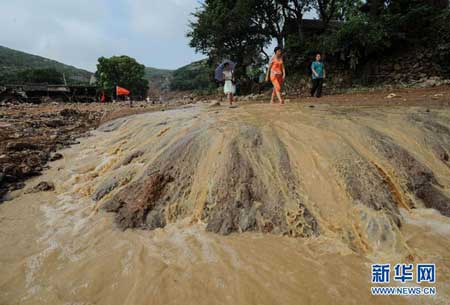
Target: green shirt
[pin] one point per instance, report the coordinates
(318, 67)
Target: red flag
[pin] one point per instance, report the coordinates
(122, 91)
(103, 98)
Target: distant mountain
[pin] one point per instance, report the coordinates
(158, 79)
(13, 62)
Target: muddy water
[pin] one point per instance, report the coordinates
(61, 248)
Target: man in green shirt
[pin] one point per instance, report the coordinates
(318, 75)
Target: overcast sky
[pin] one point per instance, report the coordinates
(77, 32)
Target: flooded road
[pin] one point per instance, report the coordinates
(256, 205)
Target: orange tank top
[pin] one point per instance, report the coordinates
(277, 65)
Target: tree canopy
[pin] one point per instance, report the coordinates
(121, 71)
(348, 31)
(50, 76)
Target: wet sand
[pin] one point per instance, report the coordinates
(61, 248)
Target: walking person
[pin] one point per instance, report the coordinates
(318, 76)
(229, 88)
(277, 74)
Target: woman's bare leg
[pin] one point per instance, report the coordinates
(280, 99)
(273, 96)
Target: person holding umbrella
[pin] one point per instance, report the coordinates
(277, 74)
(225, 72)
(229, 88)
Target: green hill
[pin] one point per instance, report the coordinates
(196, 76)
(158, 79)
(13, 62)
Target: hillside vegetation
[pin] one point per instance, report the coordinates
(195, 76)
(158, 79)
(14, 63)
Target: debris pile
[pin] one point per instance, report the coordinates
(42, 93)
(29, 139)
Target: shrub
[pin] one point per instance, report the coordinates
(356, 40)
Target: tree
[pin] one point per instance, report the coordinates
(228, 29)
(50, 76)
(271, 17)
(295, 11)
(121, 71)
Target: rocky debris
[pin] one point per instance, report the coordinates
(42, 187)
(416, 67)
(20, 146)
(393, 95)
(56, 156)
(438, 139)
(416, 177)
(369, 185)
(112, 126)
(105, 188)
(70, 113)
(34, 132)
(141, 205)
(253, 97)
(244, 197)
(168, 179)
(214, 103)
(441, 154)
(433, 81)
(238, 199)
(131, 157)
(29, 139)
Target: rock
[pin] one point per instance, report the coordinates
(441, 154)
(42, 187)
(214, 103)
(393, 95)
(69, 113)
(54, 123)
(56, 156)
(31, 136)
(132, 156)
(105, 188)
(19, 146)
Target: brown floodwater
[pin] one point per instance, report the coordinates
(62, 248)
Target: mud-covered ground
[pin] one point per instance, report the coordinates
(260, 204)
(32, 134)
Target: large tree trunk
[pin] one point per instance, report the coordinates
(375, 7)
(280, 41)
(300, 29)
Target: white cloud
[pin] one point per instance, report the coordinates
(161, 19)
(77, 32)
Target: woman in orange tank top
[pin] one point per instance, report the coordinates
(277, 74)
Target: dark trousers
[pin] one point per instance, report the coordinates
(317, 85)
